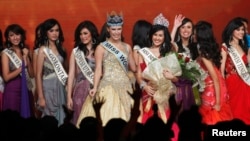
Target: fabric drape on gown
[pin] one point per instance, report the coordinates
(54, 92)
(25, 98)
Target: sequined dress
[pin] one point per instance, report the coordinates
(113, 87)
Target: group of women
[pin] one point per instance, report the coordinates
(99, 67)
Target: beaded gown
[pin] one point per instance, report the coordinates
(113, 87)
(81, 90)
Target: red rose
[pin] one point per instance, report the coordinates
(187, 59)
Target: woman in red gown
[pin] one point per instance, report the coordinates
(214, 99)
(234, 63)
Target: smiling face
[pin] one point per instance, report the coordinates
(115, 32)
(53, 33)
(85, 36)
(238, 34)
(14, 39)
(158, 38)
(185, 30)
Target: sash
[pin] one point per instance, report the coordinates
(239, 65)
(18, 63)
(83, 65)
(60, 72)
(121, 57)
(147, 55)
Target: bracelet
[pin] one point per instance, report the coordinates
(143, 84)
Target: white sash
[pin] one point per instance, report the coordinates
(60, 72)
(18, 63)
(121, 57)
(83, 65)
(239, 65)
(147, 55)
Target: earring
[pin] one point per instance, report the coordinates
(57, 42)
(94, 41)
(178, 38)
(8, 44)
(21, 45)
(164, 45)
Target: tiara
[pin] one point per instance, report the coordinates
(161, 20)
(114, 19)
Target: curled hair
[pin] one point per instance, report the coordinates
(18, 30)
(208, 46)
(94, 35)
(166, 46)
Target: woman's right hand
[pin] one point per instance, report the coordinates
(92, 92)
(41, 103)
(178, 20)
(149, 90)
(70, 104)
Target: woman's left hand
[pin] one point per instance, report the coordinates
(167, 74)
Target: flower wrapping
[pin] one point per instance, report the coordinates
(154, 74)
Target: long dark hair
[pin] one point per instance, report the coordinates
(207, 44)
(94, 34)
(166, 46)
(228, 32)
(177, 37)
(37, 36)
(140, 33)
(46, 26)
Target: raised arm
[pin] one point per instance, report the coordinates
(177, 22)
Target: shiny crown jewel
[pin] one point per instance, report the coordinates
(114, 19)
(161, 20)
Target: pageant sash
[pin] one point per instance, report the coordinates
(239, 65)
(83, 65)
(147, 55)
(60, 72)
(121, 57)
(18, 63)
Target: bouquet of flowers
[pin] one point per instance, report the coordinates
(154, 74)
(192, 70)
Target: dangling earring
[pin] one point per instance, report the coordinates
(46, 41)
(94, 41)
(57, 42)
(164, 45)
(21, 45)
(8, 44)
(178, 38)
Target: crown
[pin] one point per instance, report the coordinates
(114, 19)
(161, 20)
